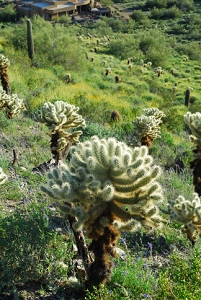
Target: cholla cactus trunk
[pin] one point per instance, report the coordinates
(56, 154)
(4, 79)
(102, 246)
(195, 165)
(194, 123)
(146, 141)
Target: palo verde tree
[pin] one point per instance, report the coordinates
(61, 117)
(108, 187)
(4, 64)
(148, 126)
(194, 123)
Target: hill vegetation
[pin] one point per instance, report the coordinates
(147, 55)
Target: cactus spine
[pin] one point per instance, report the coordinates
(112, 187)
(4, 63)
(30, 41)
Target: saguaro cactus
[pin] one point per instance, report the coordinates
(148, 125)
(187, 212)
(4, 63)
(60, 118)
(187, 97)
(30, 41)
(194, 123)
(110, 187)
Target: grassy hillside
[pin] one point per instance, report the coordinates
(37, 256)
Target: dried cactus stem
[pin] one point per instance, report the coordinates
(195, 165)
(146, 141)
(187, 97)
(4, 79)
(102, 246)
(30, 42)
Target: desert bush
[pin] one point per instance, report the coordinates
(172, 13)
(8, 13)
(155, 47)
(156, 3)
(192, 50)
(123, 48)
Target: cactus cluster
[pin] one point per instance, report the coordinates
(187, 212)
(11, 103)
(108, 187)
(3, 176)
(194, 123)
(60, 117)
(107, 174)
(4, 64)
(148, 125)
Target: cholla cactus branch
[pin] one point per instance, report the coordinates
(11, 103)
(4, 64)
(148, 125)
(194, 123)
(3, 176)
(60, 117)
(113, 187)
(187, 212)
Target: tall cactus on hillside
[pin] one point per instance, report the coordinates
(187, 212)
(4, 64)
(148, 125)
(194, 123)
(30, 41)
(60, 118)
(108, 187)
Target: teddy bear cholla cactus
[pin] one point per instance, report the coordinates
(148, 125)
(194, 123)
(4, 64)
(3, 176)
(187, 212)
(60, 117)
(11, 103)
(108, 187)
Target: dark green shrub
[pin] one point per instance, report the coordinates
(156, 3)
(123, 48)
(8, 14)
(156, 13)
(172, 13)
